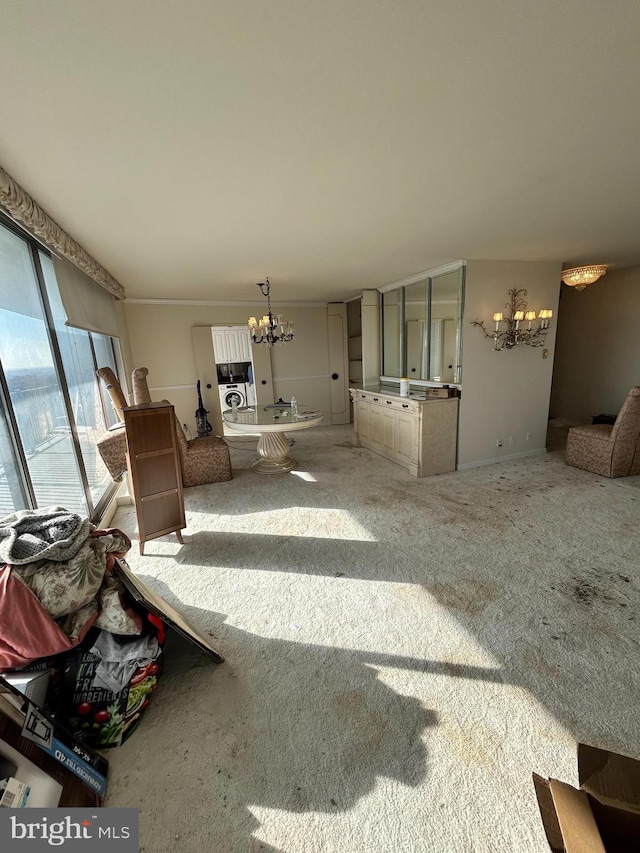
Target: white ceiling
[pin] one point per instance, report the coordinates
(196, 147)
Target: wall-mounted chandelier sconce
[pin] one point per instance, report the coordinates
(270, 329)
(515, 316)
(580, 277)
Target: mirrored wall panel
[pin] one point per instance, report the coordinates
(421, 329)
(392, 332)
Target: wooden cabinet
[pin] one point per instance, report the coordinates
(231, 345)
(420, 435)
(155, 477)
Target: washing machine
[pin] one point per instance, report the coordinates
(230, 392)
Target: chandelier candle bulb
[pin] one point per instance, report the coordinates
(514, 334)
(270, 329)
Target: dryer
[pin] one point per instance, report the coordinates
(230, 392)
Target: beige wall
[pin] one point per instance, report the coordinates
(504, 393)
(598, 350)
(160, 338)
(125, 345)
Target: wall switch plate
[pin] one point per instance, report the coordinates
(545, 353)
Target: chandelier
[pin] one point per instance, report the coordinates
(580, 277)
(513, 333)
(270, 329)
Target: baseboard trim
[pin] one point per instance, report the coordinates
(480, 463)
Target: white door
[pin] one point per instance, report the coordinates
(206, 373)
(262, 377)
(338, 363)
(415, 350)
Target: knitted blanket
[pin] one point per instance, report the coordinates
(50, 533)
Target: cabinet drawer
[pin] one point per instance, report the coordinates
(402, 404)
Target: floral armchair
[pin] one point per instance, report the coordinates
(204, 460)
(112, 446)
(611, 451)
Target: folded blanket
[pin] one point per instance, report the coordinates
(48, 605)
(64, 587)
(51, 533)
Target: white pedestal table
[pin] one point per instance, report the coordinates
(270, 424)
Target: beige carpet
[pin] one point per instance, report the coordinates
(401, 654)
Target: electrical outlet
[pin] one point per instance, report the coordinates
(499, 442)
(528, 436)
(545, 353)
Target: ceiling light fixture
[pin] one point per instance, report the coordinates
(580, 277)
(270, 330)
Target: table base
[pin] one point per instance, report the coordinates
(273, 447)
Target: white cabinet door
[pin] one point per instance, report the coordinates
(244, 344)
(377, 428)
(220, 347)
(382, 430)
(231, 345)
(389, 432)
(406, 439)
(364, 421)
(238, 345)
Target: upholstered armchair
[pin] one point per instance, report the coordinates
(204, 460)
(611, 451)
(112, 446)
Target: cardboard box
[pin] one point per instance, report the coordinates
(29, 729)
(14, 794)
(440, 393)
(33, 683)
(603, 816)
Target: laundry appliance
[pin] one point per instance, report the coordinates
(232, 392)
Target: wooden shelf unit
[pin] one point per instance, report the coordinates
(155, 477)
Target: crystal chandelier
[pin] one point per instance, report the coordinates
(513, 333)
(580, 277)
(270, 330)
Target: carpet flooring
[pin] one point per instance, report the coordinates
(401, 654)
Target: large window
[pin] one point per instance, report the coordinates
(51, 406)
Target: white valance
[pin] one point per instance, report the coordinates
(87, 305)
(23, 209)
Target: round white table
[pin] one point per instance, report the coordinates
(271, 423)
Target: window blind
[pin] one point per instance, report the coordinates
(87, 305)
